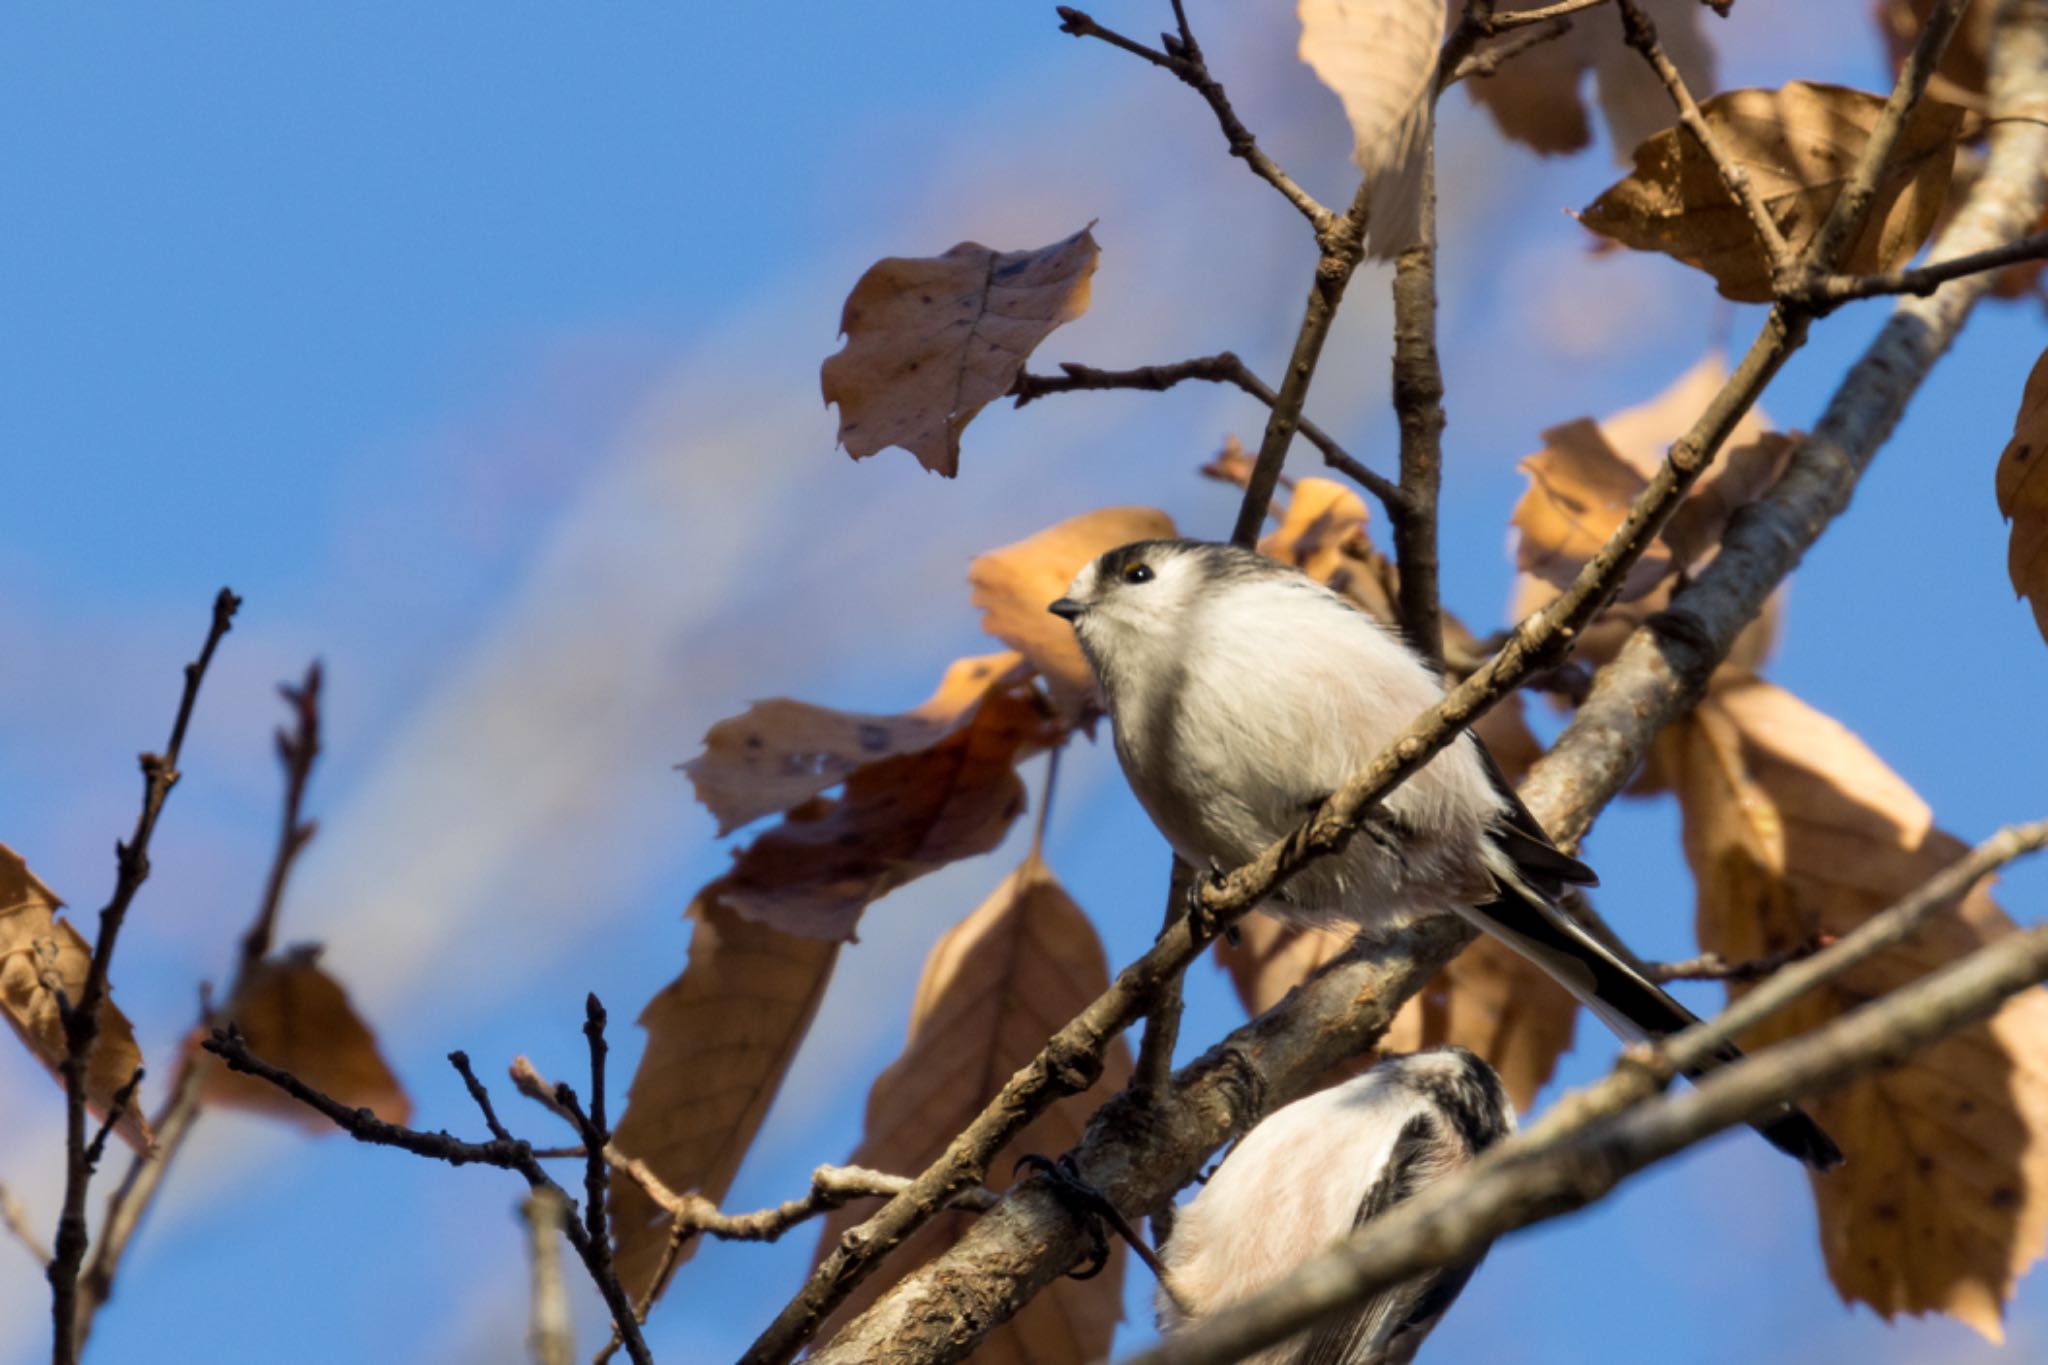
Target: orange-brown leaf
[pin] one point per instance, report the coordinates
(41, 955)
(780, 753)
(298, 1017)
(995, 987)
(1584, 479)
(1014, 585)
(1794, 829)
(2023, 494)
(930, 341)
(1798, 145)
(897, 819)
(720, 1038)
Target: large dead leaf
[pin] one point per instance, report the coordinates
(1379, 57)
(41, 955)
(298, 1017)
(1014, 585)
(897, 819)
(2023, 494)
(995, 987)
(932, 340)
(1798, 145)
(1534, 96)
(719, 1041)
(1583, 481)
(780, 753)
(1795, 829)
(1965, 64)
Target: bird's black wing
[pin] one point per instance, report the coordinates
(1387, 1328)
(1526, 841)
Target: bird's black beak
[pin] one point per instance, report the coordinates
(1067, 609)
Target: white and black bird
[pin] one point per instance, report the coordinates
(1317, 1168)
(1243, 693)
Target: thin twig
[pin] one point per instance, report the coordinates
(1714, 967)
(1186, 62)
(1828, 292)
(1154, 1067)
(1479, 65)
(81, 1017)
(1851, 209)
(1222, 368)
(16, 1220)
(1419, 406)
(298, 748)
(1641, 34)
(117, 1109)
(504, 1153)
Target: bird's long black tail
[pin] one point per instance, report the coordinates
(1631, 1005)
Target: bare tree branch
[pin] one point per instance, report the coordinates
(1419, 406)
(81, 1017)
(1223, 368)
(502, 1151)
(1829, 292)
(1184, 59)
(298, 748)
(1641, 35)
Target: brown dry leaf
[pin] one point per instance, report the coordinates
(1795, 828)
(2023, 494)
(780, 753)
(720, 1038)
(897, 819)
(1584, 479)
(932, 340)
(1798, 145)
(297, 1017)
(1534, 97)
(1960, 76)
(1322, 533)
(1379, 57)
(995, 987)
(1014, 585)
(40, 955)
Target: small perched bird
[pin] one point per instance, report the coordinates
(1316, 1169)
(1243, 693)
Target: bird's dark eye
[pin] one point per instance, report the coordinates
(1137, 573)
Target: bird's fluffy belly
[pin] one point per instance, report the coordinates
(1258, 773)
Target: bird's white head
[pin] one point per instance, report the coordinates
(1141, 610)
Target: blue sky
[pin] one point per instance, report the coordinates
(476, 346)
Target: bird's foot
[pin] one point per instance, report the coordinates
(1074, 1190)
(1083, 1198)
(1202, 922)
